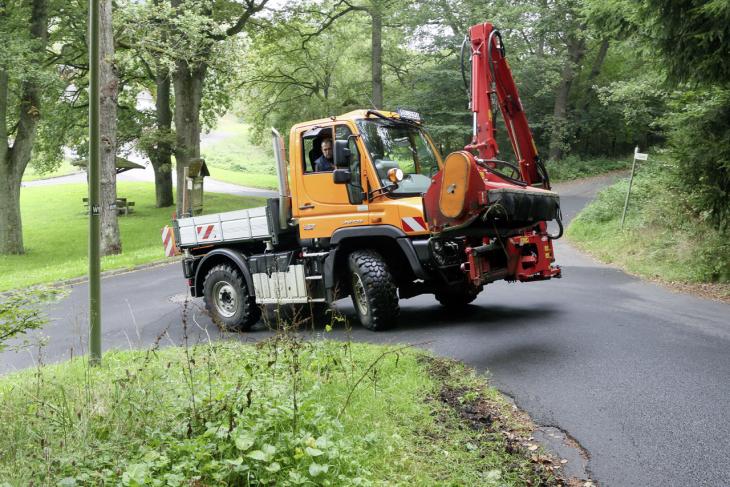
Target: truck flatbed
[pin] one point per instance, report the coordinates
(229, 227)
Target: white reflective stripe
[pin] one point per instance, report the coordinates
(413, 223)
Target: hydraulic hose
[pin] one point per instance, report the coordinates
(560, 226)
(463, 70)
(502, 51)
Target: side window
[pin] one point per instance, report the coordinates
(317, 148)
(318, 160)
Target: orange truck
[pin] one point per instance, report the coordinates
(389, 220)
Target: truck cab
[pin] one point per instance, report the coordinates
(358, 192)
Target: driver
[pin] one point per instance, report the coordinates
(324, 162)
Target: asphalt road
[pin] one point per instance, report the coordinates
(638, 375)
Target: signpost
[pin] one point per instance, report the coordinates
(638, 156)
(94, 189)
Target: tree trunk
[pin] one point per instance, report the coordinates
(188, 81)
(14, 159)
(598, 62)
(582, 109)
(161, 155)
(560, 109)
(108, 85)
(11, 234)
(558, 136)
(377, 56)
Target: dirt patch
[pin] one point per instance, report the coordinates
(482, 413)
(708, 290)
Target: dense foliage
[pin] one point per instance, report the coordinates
(597, 78)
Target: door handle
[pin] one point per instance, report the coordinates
(306, 206)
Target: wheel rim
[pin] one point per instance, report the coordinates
(358, 292)
(226, 298)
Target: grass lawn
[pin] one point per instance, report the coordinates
(232, 157)
(283, 412)
(64, 169)
(55, 232)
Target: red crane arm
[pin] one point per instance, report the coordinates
(491, 75)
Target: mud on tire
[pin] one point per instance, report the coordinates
(227, 299)
(374, 293)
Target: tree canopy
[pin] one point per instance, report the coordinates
(595, 77)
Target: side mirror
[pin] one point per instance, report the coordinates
(341, 176)
(342, 154)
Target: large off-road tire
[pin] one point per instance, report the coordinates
(374, 293)
(457, 296)
(227, 299)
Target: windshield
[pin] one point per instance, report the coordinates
(398, 145)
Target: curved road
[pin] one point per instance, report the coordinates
(638, 375)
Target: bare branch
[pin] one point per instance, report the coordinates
(331, 18)
(251, 8)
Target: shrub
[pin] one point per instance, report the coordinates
(699, 131)
(20, 312)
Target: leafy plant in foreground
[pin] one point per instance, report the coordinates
(20, 312)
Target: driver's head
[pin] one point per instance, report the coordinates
(327, 148)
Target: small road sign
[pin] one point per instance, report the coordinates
(638, 156)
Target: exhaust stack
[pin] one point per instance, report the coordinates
(283, 178)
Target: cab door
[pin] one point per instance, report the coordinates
(324, 206)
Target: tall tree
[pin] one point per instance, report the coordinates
(196, 29)
(108, 87)
(693, 39)
(20, 112)
(160, 153)
(377, 10)
(143, 34)
(575, 52)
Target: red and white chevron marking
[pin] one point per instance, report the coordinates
(168, 241)
(206, 233)
(414, 224)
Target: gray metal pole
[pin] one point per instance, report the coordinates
(94, 189)
(628, 193)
